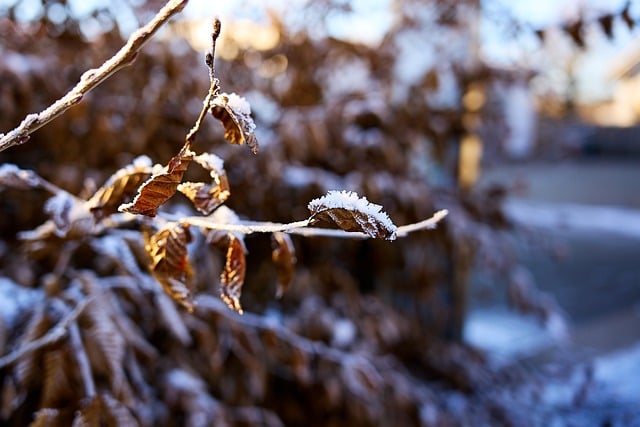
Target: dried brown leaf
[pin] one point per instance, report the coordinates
(353, 213)
(232, 277)
(206, 197)
(235, 114)
(161, 186)
(120, 188)
(56, 378)
(284, 257)
(116, 413)
(89, 413)
(170, 263)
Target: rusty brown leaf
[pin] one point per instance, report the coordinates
(120, 187)
(207, 197)
(232, 277)
(161, 186)
(170, 263)
(284, 257)
(235, 114)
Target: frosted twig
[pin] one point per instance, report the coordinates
(50, 337)
(245, 227)
(92, 78)
(82, 359)
(214, 84)
(427, 224)
(302, 227)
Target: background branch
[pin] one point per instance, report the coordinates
(92, 78)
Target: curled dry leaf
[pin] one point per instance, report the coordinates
(232, 277)
(207, 197)
(120, 187)
(353, 213)
(170, 263)
(161, 186)
(284, 257)
(235, 114)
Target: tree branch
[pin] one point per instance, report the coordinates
(92, 78)
(302, 227)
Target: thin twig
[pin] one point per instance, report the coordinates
(245, 227)
(302, 227)
(214, 86)
(427, 224)
(50, 337)
(92, 78)
(82, 359)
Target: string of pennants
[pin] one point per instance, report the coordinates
(575, 29)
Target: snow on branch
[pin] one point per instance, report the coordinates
(92, 78)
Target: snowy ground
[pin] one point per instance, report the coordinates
(593, 210)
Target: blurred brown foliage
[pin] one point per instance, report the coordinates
(359, 337)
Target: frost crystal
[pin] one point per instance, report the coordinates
(212, 163)
(238, 104)
(346, 207)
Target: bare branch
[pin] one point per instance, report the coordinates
(92, 78)
(214, 87)
(302, 227)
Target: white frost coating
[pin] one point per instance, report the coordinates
(142, 162)
(350, 201)
(212, 163)
(238, 104)
(14, 299)
(9, 172)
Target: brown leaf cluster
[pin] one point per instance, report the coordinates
(358, 338)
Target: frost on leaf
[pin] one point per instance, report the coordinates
(161, 186)
(232, 277)
(235, 114)
(120, 187)
(207, 197)
(170, 263)
(353, 213)
(284, 257)
(12, 176)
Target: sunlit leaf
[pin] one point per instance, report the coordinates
(352, 213)
(170, 263)
(284, 257)
(120, 187)
(161, 186)
(235, 114)
(232, 277)
(207, 197)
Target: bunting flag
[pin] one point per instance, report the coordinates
(575, 29)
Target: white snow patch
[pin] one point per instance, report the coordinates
(238, 104)
(505, 335)
(344, 332)
(212, 163)
(573, 216)
(616, 369)
(142, 162)
(14, 299)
